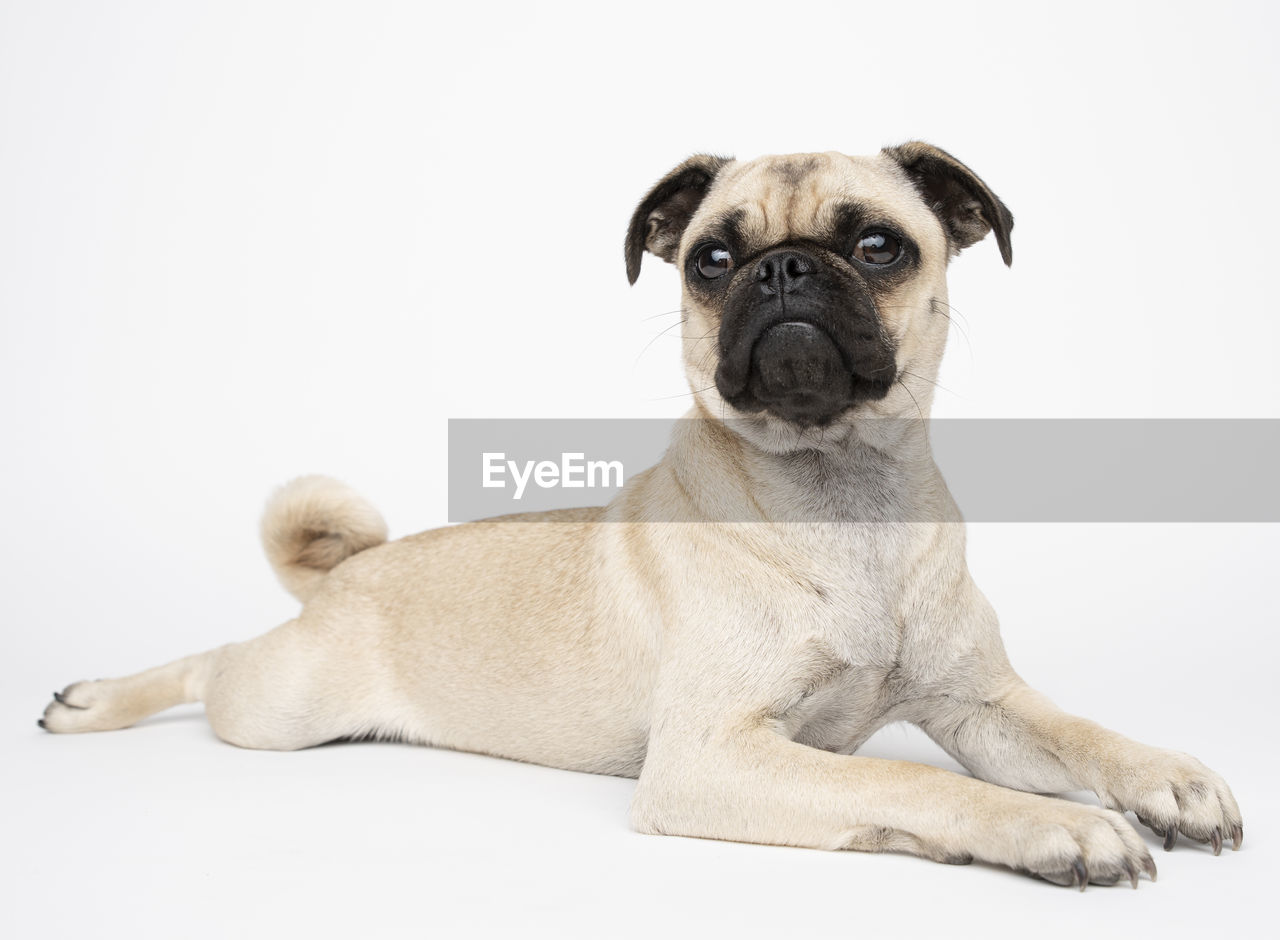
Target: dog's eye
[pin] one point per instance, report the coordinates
(714, 261)
(877, 248)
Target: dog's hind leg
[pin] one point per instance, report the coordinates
(298, 685)
(108, 704)
(281, 691)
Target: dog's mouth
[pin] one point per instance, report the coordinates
(796, 371)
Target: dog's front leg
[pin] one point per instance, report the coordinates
(743, 781)
(1012, 735)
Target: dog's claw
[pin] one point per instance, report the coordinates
(62, 700)
(1170, 837)
(1132, 873)
(40, 722)
(1215, 840)
(1149, 866)
(1237, 836)
(1080, 874)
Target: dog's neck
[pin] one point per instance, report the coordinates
(871, 470)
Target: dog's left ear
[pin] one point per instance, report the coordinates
(967, 207)
(664, 214)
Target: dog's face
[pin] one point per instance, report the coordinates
(814, 284)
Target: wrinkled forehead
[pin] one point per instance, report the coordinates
(773, 199)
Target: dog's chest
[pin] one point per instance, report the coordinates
(845, 711)
(866, 661)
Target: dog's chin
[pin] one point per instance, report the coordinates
(810, 407)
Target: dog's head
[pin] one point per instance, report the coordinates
(815, 284)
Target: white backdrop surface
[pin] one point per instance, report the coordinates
(243, 241)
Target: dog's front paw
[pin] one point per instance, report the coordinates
(1069, 843)
(1171, 792)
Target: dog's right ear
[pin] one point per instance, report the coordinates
(664, 214)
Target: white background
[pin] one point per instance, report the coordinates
(240, 242)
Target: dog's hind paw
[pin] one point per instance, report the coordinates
(81, 706)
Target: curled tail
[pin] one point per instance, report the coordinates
(313, 523)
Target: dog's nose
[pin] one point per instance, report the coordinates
(782, 272)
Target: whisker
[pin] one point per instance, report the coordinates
(962, 324)
(934, 382)
(683, 394)
(661, 332)
(938, 307)
(669, 313)
(913, 399)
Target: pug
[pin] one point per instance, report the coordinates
(789, 578)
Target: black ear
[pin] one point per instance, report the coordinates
(663, 215)
(967, 208)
